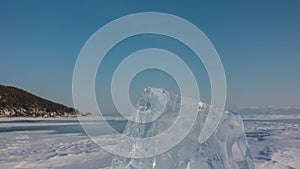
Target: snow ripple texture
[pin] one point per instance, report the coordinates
(227, 148)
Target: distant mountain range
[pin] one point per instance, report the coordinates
(15, 102)
(267, 110)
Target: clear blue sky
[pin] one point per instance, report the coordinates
(258, 43)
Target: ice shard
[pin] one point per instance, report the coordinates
(227, 148)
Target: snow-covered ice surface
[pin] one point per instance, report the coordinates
(62, 144)
(274, 143)
(59, 143)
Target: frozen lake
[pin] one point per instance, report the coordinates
(62, 144)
